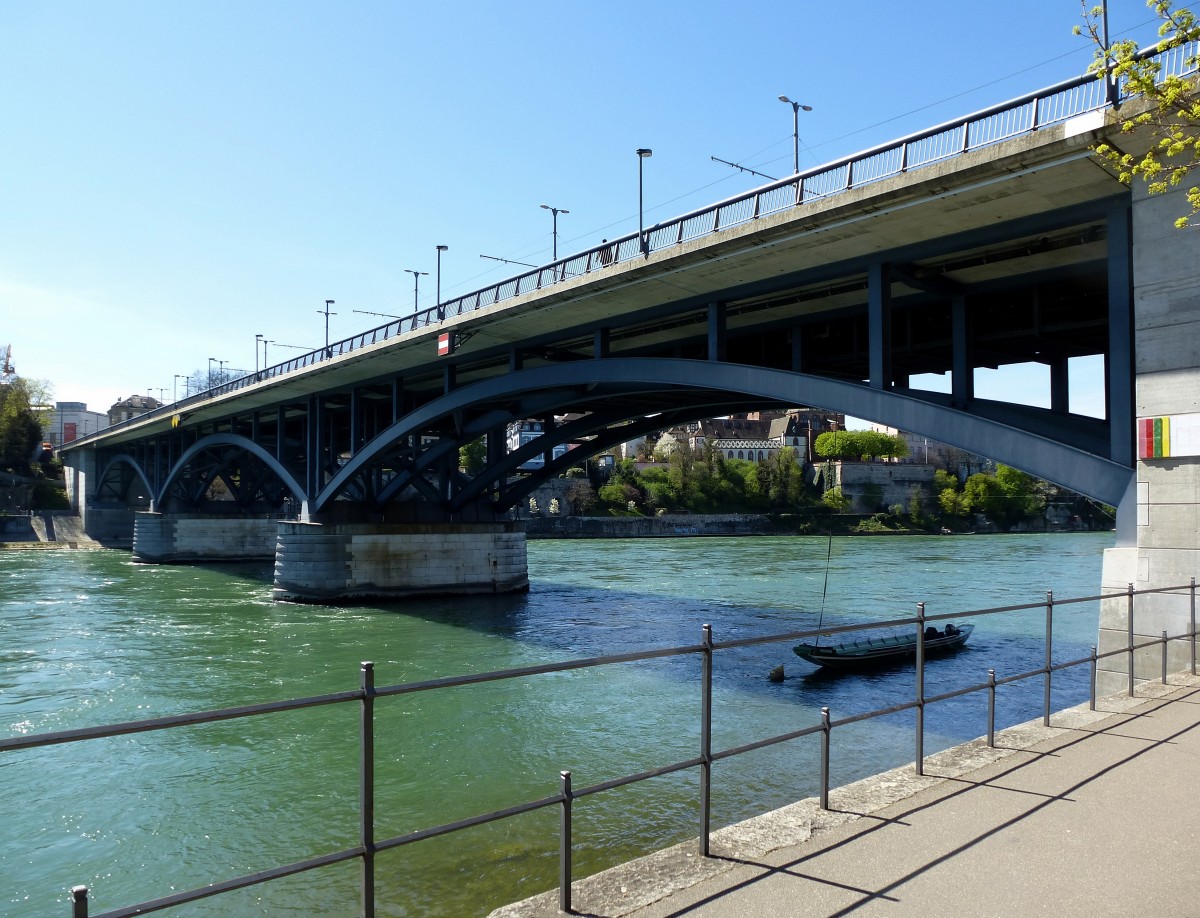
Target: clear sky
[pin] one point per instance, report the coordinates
(176, 178)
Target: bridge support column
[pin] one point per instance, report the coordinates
(1157, 523)
(321, 563)
(164, 538)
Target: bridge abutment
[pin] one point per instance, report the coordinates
(319, 562)
(164, 538)
(1158, 542)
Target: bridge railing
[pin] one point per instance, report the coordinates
(368, 694)
(1025, 114)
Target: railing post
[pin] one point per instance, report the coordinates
(79, 902)
(1129, 622)
(1192, 591)
(1164, 657)
(825, 730)
(564, 844)
(1049, 648)
(991, 709)
(366, 785)
(920, 699)
(1092, 693)
(705, 739)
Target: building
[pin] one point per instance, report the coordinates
(69, 421)
(131, 407)
(520, 433)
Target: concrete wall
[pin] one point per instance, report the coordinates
(170, 537)
(892, 481)
(1167, 348)
(316, 562)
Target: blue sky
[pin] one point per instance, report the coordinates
(177, 178)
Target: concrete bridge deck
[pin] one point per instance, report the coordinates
(1095, 815)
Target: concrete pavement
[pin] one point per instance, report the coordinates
(1096, 815)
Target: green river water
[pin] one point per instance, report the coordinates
(90, 638)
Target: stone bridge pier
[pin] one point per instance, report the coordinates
(326, 562)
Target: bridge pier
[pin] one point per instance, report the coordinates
(320, 562)
(165, 538)
(1158, 522)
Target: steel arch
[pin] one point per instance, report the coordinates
(236, 440)
(126, 459)
(572, 384)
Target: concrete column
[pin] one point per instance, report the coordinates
(1165, 497)
(879, 322)
(322, 563)
(716, 331)
(962, 375)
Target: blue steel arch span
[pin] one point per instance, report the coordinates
(627, 396)
(107, 481)
(239, 445)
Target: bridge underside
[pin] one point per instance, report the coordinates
(848, 336)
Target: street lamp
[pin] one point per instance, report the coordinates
(257, 340)
(441, 312)
(643, 155)
(796, 106)
(211, 361)
(554, 212)
(175, 387)
(328, 303)
(417, 275)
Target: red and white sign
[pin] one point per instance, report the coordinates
(445, 344)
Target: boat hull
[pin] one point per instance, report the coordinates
(880, 652)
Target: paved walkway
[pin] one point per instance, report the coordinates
(1097, 815)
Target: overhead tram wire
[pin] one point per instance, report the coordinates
(606, 228)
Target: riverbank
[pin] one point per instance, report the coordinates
(964, 809)
(687, 525)
(44, 529)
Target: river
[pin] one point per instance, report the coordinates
(91, 638)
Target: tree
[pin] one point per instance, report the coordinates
(20, 424)
(473, 457)
(1169, 108)
(835, 500)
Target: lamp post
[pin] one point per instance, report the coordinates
(417, 275)
(643, 155)
(211, 361)
(328, 303)
(796, 106)
(257, 340)
(441, 311)
(175, 387)
(554, 212)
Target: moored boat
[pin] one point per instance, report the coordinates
(884, 651)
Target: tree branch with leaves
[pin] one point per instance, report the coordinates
(1169, 107)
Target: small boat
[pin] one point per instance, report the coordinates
(884, 651)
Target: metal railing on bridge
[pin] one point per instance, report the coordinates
(368, 694)
(1032, 112)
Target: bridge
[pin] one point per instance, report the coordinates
(993, 240)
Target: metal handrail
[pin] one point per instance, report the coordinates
(368, 693)
(1023, 115)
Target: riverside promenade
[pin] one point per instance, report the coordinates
(1095, 815)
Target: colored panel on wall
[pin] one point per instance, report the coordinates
(1169, 436)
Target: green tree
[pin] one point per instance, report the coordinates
(1168, 108)
(21, 404)
(473, 457)
(835, 500)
